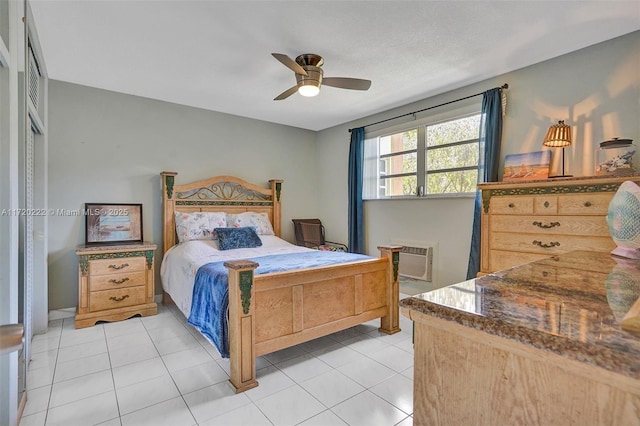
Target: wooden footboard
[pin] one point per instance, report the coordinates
(275, 311)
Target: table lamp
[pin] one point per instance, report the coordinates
(558, 136)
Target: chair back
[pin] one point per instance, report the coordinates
(308, 232)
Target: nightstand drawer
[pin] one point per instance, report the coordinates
(116, 281)
(112, 299)
(512, 205)
(116, 266)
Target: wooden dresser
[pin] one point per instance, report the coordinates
(527, 221)
(115, 283)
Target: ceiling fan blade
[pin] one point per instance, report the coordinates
(286, 93)
(289, 63)
(347, 83)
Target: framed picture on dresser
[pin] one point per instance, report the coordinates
(527, 166)
(108, 223)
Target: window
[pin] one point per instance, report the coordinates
(426, 160)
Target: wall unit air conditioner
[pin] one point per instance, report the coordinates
(416, 262)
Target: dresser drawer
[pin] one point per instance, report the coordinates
(116, 266)
(548, 244)
(112, 299)
(545, 204)
(115, 281)
(512, 205)
(585, 204)
(551, 225)
(500, 260)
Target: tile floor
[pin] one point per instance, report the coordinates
(158, 370)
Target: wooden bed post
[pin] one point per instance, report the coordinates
(168, 225)
(242, 341)
(276, 187)
(390, 323)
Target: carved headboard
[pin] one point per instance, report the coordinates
(227, 194)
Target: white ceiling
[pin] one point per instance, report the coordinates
(217, 54)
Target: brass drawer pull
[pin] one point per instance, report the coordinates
(118, 299)
(116, 267)
(550, 225)
(587, 203)
(541, 244)
(511, 205)
(124, 280)
(546, 204)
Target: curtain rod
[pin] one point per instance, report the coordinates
(504, 86)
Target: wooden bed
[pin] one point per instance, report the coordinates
(269, 312)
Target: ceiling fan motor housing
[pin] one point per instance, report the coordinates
(313, 77)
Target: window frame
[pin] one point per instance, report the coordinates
(458, 112)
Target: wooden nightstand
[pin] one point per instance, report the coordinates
(115, 283)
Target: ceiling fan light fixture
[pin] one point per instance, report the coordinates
(309, 89)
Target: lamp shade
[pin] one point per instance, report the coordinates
(558, 135)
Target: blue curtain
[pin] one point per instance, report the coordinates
(356, 206)
(490, 140)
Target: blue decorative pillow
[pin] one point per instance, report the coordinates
(234, 238)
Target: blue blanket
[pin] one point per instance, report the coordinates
(210, 302)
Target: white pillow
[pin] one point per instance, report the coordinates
(199, 225)
(260, 221)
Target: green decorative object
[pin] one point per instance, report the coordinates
(278, 189)
(395, 259)
(149, 255)
(169, 183)
(623, 219)
(222, 203)
(246, 282)
(84, 264)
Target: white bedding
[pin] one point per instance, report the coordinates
(181, 263)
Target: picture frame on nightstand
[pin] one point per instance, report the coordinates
(527, 166)
(110, 224)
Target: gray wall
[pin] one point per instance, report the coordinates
(596, 90)
(110, 147)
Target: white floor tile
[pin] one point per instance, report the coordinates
(214, 400)
(87, 411)
(130, 339)
(290, 406)
(367, 409)
(331, 387)
(37, 400)
(367, 372)
(81, 367)
(133, 353)
(173, 412)
(36, 419)
(393, 357)
(199, 376)
(144, 394)
(140, 371)
(270, 381)
(81, 388)
(73, 336)
(158, 370)
(326, 418)
(83, 350)
(176, 344)
(248, 415)
(396, 390)
(185, 359)
(303, 367)
(338, 355)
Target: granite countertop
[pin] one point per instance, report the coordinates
(570, 304)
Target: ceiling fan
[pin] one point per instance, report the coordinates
(309, 76)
